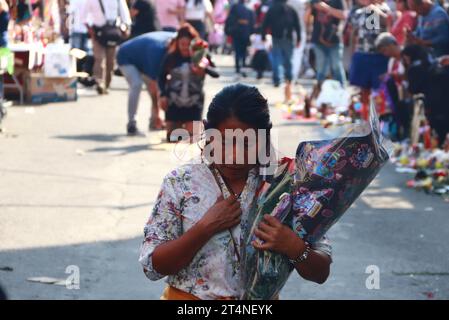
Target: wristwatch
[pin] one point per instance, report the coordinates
(302, 257)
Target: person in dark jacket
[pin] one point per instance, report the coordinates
(144, 18)
(283, 22)
(240, 25)
(425, 75)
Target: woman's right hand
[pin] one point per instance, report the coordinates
(172, 256)
(223, 215)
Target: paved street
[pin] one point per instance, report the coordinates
(75, 190)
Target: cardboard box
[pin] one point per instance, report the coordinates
(58, 61)
(41, 89)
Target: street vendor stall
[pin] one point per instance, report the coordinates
(27, 57)
(44, 67)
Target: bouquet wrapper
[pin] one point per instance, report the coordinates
(310, 194)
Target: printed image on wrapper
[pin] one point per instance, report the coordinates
(307, 203)
(300, 231)
(363, 157)
(318, 159)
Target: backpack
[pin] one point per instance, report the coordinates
(109, 35)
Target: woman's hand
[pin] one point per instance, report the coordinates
(172, 256)
(223, 215)
(279, 238)
(163, 103)
(282, 239)
(201, 72)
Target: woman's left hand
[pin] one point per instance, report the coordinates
(163, 103)
(198, 70)
(279, 238)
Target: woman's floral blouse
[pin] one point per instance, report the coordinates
(186, 194)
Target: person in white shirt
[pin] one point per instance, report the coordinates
(260, 61)
(94, 17)
(196, 13)
(78, 30)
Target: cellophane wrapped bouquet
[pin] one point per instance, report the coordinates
(201, 57)
(310, 194)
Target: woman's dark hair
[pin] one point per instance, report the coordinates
(242, 102)
(247, 105)
(185, 31)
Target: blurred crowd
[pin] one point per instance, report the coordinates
(393, 52)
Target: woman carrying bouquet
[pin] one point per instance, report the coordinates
(194, 233)
(181, 83)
